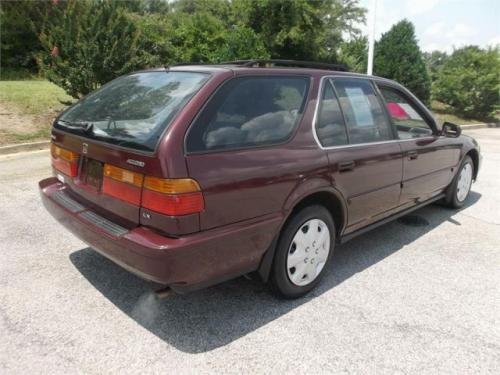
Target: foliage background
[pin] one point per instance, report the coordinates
(82, 44)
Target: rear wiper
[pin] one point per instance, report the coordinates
(86, 127)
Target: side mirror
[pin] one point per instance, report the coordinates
(451, 130)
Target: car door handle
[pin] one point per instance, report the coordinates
(412, 155)
(346, 166)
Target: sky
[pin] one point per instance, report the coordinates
(441, 24)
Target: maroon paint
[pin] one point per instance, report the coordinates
(248, 193)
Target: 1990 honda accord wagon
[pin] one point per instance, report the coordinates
(191, 175)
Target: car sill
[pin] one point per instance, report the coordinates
(358, 232)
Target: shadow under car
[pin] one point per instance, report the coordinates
(213, 317)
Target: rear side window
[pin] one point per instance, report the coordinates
(365, 119)
(330, 125)
(406, 119)
(249, 112)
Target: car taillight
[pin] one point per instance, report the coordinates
(122, 184)
(174, 197)
(169, 196)
(64, 161)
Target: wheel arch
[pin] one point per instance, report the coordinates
(474, 155)
(330, 198)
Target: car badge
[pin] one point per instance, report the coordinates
(137, 163)
(85, 148)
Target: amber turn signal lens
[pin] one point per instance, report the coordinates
(171, 186)
(123, 175)
(58, 152)
(64, 161)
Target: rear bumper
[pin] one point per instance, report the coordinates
(185, 263)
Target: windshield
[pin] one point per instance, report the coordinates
(133, 110)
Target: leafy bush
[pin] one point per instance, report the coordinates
(88, 43)
(398, 57)
(19, 27)
(469, 81)
(299, 29)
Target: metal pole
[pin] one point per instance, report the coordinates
(371, 38)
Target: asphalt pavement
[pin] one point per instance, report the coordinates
(400, 299)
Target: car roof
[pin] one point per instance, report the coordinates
(241, 70)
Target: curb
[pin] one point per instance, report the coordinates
(480, 125)
(13, 149)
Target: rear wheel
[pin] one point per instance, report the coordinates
(303, 250)
(459, 189)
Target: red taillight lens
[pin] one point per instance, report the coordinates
(64, 161)
(174, 197)
(173, 205)
(122, 184)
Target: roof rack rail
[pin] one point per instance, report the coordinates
(286, 63)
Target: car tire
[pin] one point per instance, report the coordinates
(458, 191)
(304, 248)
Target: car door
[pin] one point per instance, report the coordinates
(365, 159)
(429, 159)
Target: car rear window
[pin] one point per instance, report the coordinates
(134, 110)
(249, 112)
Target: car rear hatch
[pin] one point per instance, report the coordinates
(104, 150)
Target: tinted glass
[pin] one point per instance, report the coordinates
(249, 111)
(330, 125)
(365, 119)
(133, 110)
(406, 119)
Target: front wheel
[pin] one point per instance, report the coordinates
(303, 250)
(459, 189)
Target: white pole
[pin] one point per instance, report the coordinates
(371, 38)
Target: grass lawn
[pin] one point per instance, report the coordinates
(33, 97)
(27, 109)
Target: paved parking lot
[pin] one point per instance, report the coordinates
(406, 299)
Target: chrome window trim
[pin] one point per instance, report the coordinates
(315, 118)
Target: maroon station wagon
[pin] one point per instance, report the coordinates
(191, 175)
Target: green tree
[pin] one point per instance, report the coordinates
(19, 27)
(242, 43)
(469, 81)
(354, 54)
(300, 29)
(398, 57)
(201, 36)
(218, 8)
(88, 43)
(434, 62)
(197, 37)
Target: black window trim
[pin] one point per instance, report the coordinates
(309, 80)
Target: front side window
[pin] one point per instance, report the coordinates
(365, 119)
(134, 110)
(404, 115)
(330, 125)
(249, 112)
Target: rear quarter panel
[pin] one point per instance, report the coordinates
(248, 183)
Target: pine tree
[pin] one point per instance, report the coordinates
(398, 57)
